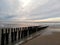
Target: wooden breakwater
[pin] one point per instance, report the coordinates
(10, 36)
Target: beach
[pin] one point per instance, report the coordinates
(47, 36)
(50, 36)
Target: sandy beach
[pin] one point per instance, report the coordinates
(51, 36)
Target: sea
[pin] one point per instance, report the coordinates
(53, 27)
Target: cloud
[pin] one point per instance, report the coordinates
(50, 9)
(22, 10)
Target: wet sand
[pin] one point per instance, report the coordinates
(53, 39)
(48, 37)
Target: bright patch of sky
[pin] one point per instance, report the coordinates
(22, 10)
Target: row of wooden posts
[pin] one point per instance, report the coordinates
(11, 35)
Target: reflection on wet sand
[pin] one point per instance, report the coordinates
(50, 36)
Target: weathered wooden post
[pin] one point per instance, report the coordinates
(2, 37)
(34, 29)
(38, 28)
(9, 31)
(25, 32)
(15, 34)
(7, 36)
(19, 33)
(29, 29)
(12, 35)
(22, 33)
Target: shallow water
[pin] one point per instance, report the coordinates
(50, 30)
(53, 27)
(49, 36)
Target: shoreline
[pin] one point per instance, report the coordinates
(48, 37)
(53, 39)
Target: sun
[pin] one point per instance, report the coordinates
(25, 2)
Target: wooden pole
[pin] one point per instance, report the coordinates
(2, 37)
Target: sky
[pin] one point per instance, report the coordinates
(25, 10)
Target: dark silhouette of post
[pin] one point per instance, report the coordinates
(22, 33)
(25, 32)
(30, 30)
(12, 35)
(2, 37)
(19, 33)
(6, 35)
(15, 34)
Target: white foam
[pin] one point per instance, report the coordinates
(50, 31)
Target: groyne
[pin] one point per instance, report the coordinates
(11, 36)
